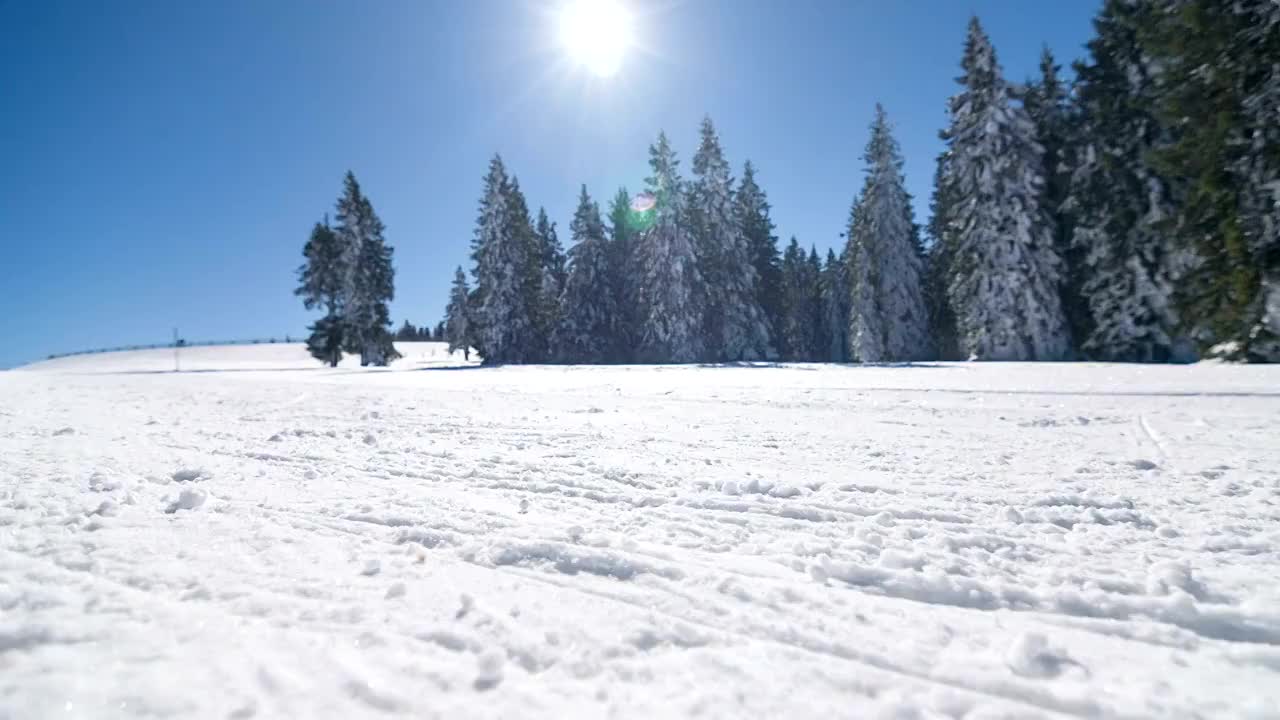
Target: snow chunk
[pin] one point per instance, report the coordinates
(755, 486)
(191, 475)
(901, 560)
(490, 671)
(102, 483)
(1164, 578)
(188, 499)
(1031, 656)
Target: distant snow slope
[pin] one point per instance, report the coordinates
(280, 356)
(271, 539)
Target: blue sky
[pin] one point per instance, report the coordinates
(164, 161)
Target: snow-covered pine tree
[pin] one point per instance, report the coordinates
(813, 281)
(1005, 272)
(791, 344)
(801, 311)
(1218, 94)
(457, 323)
(506, 292)
(1120, 204)
(522, 229)
(1259, 167)
(588, 313)
(369, 277)
(734, 325)
(866, 318)
(889, 321)
(835, 309)
(1048, 103)
(752, 208)
(670, 286)
(622, 249)
(320, 284)
(551, 266)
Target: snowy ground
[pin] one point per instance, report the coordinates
(262, 538)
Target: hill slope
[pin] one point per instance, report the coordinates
(208, 358)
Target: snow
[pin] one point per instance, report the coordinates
(937, 540)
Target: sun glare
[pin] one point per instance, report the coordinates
(596, 34)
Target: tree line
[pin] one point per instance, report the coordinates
(1132, 214)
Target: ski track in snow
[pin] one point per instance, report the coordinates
(260, 538)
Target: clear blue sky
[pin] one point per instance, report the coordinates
(164, 161)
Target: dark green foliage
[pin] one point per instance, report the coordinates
(551, 279)
(938, 258)
(752, 208)
(1048, 103)
(624, 225)
(320, 282)
(325, 341)
(801, 305)
(835, 310)
(1223, 159)
(588, 318)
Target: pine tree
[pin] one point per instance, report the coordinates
(669, 290)
(623, 229)
(1005, 272)
(551, 268)
(1218, 94)
(506, 290)
(813, 286)
(1048, 104)
(937, 265)
(1120, 204)
(368, 283)
(888, 317)
(320, 284)
(835, 309)
(325, 341)
(406, 333)
(438, 334)
(457, 323)
(735, 327)
(588, 313)
(866, 318)
(752, 209)
(534, 345)
(801, 306)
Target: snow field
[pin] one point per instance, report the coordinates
(932, 541)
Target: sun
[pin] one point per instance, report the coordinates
(596, 34)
